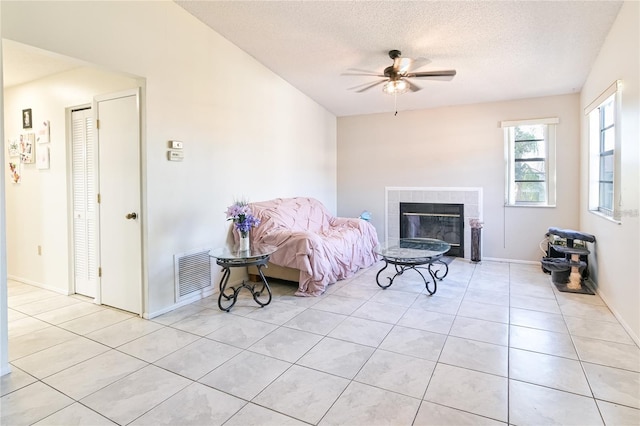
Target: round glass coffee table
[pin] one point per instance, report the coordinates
(417, 254)
(231, 257)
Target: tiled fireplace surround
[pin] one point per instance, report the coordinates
(470, 197)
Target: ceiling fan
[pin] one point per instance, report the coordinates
(396, 76)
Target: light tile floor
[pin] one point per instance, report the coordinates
(497, 344)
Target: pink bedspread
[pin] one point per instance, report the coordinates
(323, 247)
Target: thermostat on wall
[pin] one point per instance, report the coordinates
(175, 144)
(175, 155)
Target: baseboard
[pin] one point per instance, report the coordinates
(5, 369)
(622, 322)
(526, 262)
(39, 285)
(201, 295)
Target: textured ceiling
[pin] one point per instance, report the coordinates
(501, 50)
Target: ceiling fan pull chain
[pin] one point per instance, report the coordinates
(395, 102)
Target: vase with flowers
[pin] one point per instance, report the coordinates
(243, 220)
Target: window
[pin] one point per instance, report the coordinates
(530, 162)
(604, 151)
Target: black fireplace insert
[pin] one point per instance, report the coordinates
(434, 220)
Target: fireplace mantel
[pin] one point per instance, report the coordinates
(470, 197)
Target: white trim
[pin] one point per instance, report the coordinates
(619, 317)
(40, 285)
(593, 135)
(549, 129)
(605, 217)
(184, 302)
(189, 300)
(5, 367)
(616, 86)
(537, 206)
(502, 260)
(515, 123)
(432, 188)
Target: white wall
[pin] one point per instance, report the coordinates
(244, 129)
(618, 245)
(37, 207)
(461, 146)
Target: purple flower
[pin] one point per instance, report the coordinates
(241, 215)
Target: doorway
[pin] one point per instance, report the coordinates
(120, 233)
(107, 243)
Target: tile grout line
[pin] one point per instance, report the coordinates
(352, 380)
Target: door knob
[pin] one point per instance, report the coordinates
(133, 215)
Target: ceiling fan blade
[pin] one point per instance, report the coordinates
(445, 73)
(370, 86)
(405, 65)
(361, 85)
(402, 65)
(363, 70)
(418, 63)
(413, 87)
(371, 74)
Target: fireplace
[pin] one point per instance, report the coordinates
(470, 197)
(434, 220)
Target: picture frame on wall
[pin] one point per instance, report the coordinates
(42, 158)
(13, 148)
(14, 171)
(43, 133)
(27, 119)
(27, 148)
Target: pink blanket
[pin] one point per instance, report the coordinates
(324, 248)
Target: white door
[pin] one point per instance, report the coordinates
(118, 136)
(85, 212)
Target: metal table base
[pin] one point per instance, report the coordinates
(402, 265)
(230, 293)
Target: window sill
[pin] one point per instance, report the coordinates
(605, 217)
(536, 206)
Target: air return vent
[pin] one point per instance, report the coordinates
(192, 273)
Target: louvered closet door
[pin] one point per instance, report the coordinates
(84, 203)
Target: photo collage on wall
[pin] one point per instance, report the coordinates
(22, 150)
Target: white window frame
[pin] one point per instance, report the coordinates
(593, 113)
(550, 161)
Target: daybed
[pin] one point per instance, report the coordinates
(315, 248)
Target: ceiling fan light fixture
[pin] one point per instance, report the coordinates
(395, 87)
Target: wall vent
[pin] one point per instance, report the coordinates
(192, 273)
